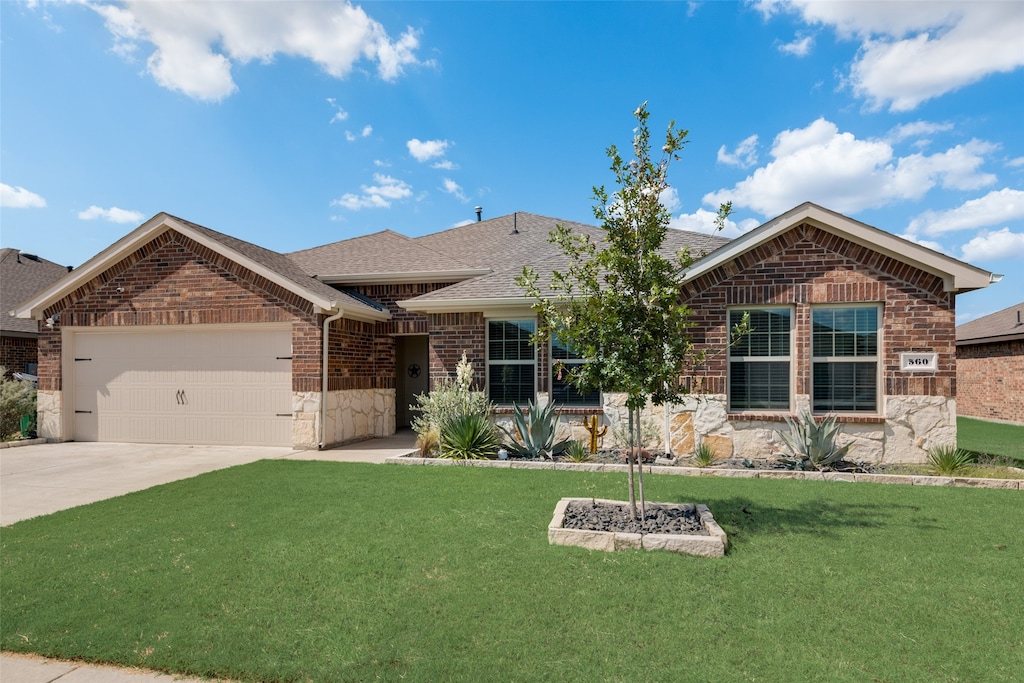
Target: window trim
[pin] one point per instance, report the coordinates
(552, 361)
(790, 359)
(487, 353)
(813, 360)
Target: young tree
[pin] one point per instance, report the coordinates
(618, 304)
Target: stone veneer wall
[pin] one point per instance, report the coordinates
(990, 380)
(350, 415)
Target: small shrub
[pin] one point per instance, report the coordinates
(17, 399)
(469, 437)
(810, 445)
(704, 455)
(450, 397)
(428, 442)
(577, 451)
(949, 460)
(650, 433)
(533, 433)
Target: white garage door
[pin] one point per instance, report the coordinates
(184, 386)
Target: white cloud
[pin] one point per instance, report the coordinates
(934, 246)
(19, 198)
(423, 150)
(800, 47)
(445, 165)
(917, 129)
(113, 214)
(185, 34)
(454, 189)
(992, 246)
(998, 206)
(367, 131)
(669, 198)
(820, 164)
(339, 113)
(1014, 163)
(703, 221)
(743, 156)
(379, 196)
(911, 52)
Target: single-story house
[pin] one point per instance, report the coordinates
(178, 333)
(21, 276)
(990, 366)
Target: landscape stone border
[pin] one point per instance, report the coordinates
(711, 545)
(908, 479)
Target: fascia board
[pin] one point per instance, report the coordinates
(491, 307)
(956, 275)
(402, 278)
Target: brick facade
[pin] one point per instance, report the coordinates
(990, 382)
(807, 266)
(17, 352)
(174, 280)
(451, 334)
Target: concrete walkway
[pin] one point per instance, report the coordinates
(44, 478)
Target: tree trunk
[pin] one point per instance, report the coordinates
(640, 471)
(629, 458)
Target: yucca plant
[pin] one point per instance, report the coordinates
(468, 437)
(704, 455)
(949, 460)
(533, 435)
(812, 445)
(577, 451)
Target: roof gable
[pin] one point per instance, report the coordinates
(956, 275)
(21, 276)
(273, 266)
(1004, 325)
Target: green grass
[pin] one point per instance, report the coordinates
(991, 438)
(312, 571)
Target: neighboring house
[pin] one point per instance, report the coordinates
(182, 334)
(21, 276)
(990, 366)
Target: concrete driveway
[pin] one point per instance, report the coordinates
(43, 478)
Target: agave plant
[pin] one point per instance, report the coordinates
(534, 430)
(470, 436)
(812, 445)
(949, 460)
(577, 451)
(704, 455)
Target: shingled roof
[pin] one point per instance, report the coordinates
(21, 276)
(1004, 325)
(384, 256)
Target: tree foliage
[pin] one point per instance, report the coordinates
(619, 302)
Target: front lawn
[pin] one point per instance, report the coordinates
(990, 438)
(313, 571)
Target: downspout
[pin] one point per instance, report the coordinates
(325, 338)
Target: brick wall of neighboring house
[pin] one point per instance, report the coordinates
(17, 352)
(174, 280)
(990, 381)
(807, 267)
(450, 335)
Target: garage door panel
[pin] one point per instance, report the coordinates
(195, 386)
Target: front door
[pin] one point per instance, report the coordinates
(412, 375)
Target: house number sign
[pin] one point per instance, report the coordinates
(919, 362)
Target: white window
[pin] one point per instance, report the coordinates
(759, 363)
(844, 352)
(511, 361)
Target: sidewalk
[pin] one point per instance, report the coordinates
(16, 668)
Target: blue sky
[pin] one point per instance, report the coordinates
(293, 124)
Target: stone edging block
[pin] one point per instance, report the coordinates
(851, 477)
(712, 545)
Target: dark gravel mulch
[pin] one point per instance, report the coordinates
(609, 517)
